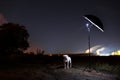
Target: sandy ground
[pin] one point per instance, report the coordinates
(52, 72)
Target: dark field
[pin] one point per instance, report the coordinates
(43, 67)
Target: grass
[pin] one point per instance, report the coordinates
(115, 69)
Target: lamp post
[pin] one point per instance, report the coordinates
(88, 25)
(92, 21)
(88, 28)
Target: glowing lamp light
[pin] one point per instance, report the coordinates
(50, 55)
(102, 54)
(87, 24)
(99, 50)
(117, 53)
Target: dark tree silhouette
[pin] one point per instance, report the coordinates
(13, 38)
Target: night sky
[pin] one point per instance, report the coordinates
(59, 26)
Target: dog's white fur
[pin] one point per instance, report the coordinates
(67, 62)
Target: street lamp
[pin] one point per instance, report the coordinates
(92, 21)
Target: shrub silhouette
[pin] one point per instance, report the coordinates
(13, 38)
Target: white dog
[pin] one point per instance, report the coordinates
(67, 62)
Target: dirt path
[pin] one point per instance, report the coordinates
(77, 74)
(52, 73)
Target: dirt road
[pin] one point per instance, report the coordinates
(37, 72)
